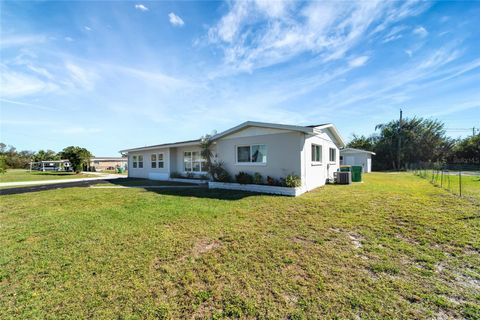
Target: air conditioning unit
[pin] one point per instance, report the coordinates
(343, 177)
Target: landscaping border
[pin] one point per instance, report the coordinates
(186, 180)
(293, 192)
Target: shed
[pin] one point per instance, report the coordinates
(357, 157)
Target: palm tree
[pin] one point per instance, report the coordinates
(205, 143)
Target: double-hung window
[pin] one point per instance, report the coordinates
(137, 161)
(153, 158)
(134, 161)
(255, 153)
(316, 153)
(333, 155)
(193, 162)
(157, 160)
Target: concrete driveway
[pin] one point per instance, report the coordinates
(33, 186)
(58, 181)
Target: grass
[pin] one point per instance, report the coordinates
(114, 172)
(391, 247)
(135, 182)
(451, 182)
(18, 175)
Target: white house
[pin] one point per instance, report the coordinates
(357, 157)
(275, 150)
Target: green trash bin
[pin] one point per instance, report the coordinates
(356, 173)
(345, 168)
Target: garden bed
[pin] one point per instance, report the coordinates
(188, 180)
(286, 191)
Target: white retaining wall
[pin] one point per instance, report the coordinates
(294, 192)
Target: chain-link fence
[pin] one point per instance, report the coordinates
(463, 181)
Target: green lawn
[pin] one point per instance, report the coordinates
(451, 182)
(392, 247)
(135, 182)
(17, 175)
(113, 171)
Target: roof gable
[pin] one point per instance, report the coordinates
(262, 125)
(354, 150)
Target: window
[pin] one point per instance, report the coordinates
(193, 162)
(316, 153)
(134, 161)
(333, 155)
(157, 160)
(160, 160)
(154, 161)
(256, 153)
(140, 162)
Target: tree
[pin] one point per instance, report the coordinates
(15, 159)
(467, 150)
(362, 142)
(47, 155)
(206, 153)
(77, 156)
(423, 140)
(3, 165)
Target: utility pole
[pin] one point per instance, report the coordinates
(473, 131)
(399, 140)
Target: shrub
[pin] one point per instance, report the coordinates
(218, 173)
(244, 178)
(293, 181)
(190, 175)
(273, 182)
(257, 178)
(203, 177)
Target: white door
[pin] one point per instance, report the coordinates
(369, 164)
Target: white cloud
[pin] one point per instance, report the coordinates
(141, 7)
(25, 104)
(255, 34)
(21, 40)
(77, 130)
(358, 61)
(18, 84)
(420, 31)
(175, 20)
(87, 28)
(69, 39)
(394, 34)
(40, 71)
(80, 77)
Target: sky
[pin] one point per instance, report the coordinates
(113, 75)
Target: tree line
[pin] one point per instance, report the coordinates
(422, 141)
(11, 158)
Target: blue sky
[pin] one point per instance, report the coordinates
(112, 75)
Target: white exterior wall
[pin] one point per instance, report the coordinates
(147, 171)
(288, 152)
(358, 159)
(179, 159)
(283, 152)
(316, 174)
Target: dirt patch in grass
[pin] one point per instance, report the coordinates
(203, 246)
(355, 239)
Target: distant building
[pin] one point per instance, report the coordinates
(51, 165)
(357, 157)
(108, 163)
